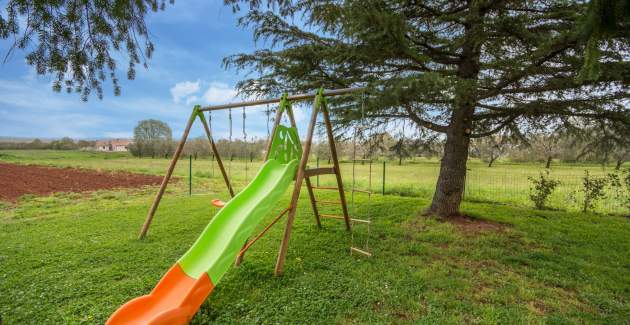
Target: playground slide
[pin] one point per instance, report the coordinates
(180, 292)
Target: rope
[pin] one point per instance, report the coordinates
(268, 112)
(245, 144)
(369, 210)
(369, 192)
(230, 145)
(212, 158)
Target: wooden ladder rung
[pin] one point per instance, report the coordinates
(361, 191)
(325, 188)
(319, 171)
(354, 249)
(328, 202)
(332, 216)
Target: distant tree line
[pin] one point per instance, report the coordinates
(65, 143)
(600, 144)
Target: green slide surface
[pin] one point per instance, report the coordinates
(220, 242)
(182, 290)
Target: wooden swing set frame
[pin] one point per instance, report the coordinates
(303, 174)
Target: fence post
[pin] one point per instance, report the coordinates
(190, 175)
(318, 174)
(384, 177)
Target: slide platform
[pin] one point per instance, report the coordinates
(182, 290)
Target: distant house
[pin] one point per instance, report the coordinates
(113, 145)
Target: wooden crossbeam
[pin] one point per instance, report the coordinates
(328, 202)
(319, 171)
(325, 188)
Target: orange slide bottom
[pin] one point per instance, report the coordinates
(174, 300)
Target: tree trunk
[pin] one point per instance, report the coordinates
(449, 189)
(492, 159)
(451, 181)
(619, 163)
(548, 164)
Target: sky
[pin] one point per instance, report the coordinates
(191, 38)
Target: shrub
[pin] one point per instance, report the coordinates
(541, 188)
(619, 183)
(593, 190)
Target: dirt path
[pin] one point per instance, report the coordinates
(17, 180)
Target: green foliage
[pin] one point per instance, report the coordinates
(542, 188)
(511, 61)
(604, 20)
(152, 138)
(619, 183)
(75, 41)
(461, 69)
(593, 190)
(65, 143)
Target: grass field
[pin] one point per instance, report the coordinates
(504, 183)
(74, 258)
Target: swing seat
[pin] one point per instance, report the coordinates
(218, 203)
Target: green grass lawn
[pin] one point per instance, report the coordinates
(74, 258)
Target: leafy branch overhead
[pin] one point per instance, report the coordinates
(76, 40)
(514, 61)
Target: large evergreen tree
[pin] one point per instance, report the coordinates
(465, 69)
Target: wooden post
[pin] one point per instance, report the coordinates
(276, 122)
(169, 173)
(298, 185)
(313, 201)
(189, 175)
(333, 155)
(384, 177)
(318, 167)
(215, 151)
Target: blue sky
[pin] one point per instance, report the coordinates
(191, 39)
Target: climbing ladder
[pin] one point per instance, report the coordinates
(335, 169)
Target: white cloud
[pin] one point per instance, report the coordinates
(219, 93)
(183, 89)
(192, 100)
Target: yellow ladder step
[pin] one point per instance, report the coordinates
(328, 202)
(332, 216)
(358, 250)
(324, 188)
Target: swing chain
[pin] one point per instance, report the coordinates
(210, 128)
(245, 144)
(230, 144)
(268, 113)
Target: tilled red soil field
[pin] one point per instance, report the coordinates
(17, 180)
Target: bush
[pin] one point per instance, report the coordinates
(619, 184)
(593, 190)
(541, 189)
